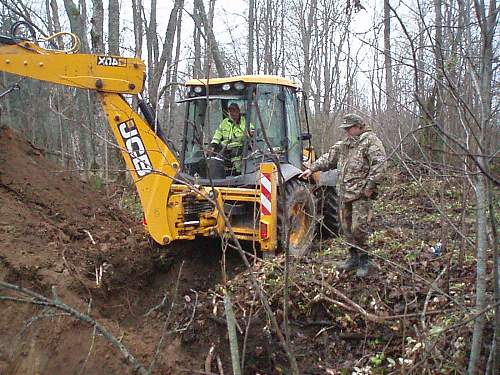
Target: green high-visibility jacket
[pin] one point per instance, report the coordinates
(230, 134)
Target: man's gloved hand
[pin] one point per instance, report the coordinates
(213, 149)
(306, 174)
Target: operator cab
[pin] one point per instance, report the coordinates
(269, 107)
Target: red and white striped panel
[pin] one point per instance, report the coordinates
(265, 194)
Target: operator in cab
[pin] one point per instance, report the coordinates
(229, 137)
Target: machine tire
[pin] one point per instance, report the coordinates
(328, 208)
(301, 212)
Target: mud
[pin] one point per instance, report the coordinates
(55, 232)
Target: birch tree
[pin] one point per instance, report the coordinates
(487, 18)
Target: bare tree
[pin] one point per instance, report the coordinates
(172, 84)
(389, 94)
(97, 30)
(114, 27)
(487, 18)
(78, 21)
(251, 32)
(210, 40)
(137, 11)
(158, 60)
(197, 72)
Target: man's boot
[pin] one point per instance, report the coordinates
(364, 265)
(352, 262)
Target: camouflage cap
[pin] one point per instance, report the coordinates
(351, 119)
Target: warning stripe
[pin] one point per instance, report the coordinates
(265, 194)
(265, 205)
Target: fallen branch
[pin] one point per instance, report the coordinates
(219, 365)
(231, 330)
(82, 370)
(38, 299)
(428, 297)
(452, 327)
(208, 360)
(320, 298)
(159, 306)
(352, 306)
(90, 236)
(193, 313)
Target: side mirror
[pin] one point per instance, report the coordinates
(305, 136)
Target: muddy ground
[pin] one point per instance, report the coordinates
(65, 240)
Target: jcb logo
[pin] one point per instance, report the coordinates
(111, 61)
(135, 148)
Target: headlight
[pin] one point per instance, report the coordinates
(226, 87)
(239, 86)
(198, 89)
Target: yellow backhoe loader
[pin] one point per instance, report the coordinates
(185, 189)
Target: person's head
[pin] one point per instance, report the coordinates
(353, 124)
(234, 111)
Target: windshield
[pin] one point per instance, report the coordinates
(240, 130)
(268, 114)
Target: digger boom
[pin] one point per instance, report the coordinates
(151, 163)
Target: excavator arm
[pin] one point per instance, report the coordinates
(151, 163)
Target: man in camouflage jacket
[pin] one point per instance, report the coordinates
(360, 159)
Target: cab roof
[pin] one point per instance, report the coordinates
(274, 80)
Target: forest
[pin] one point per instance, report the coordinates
(84, 290)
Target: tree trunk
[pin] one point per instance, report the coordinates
(77, 24)
(97, 31)
(173, 76)
(389, 91)
(251, 28)
(138, 26)
(437, 143)
(50, 25)
(55, 20)
(197, 72)
(137, 11)
(482, 246)
(306, 27)
(114, 27)
(157, 60)
(487, 24)
(82, 111)
(212, 42)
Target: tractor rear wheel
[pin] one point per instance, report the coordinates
(298, 217)
(328, 208)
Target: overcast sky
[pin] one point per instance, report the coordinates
(230, 16)
(230, 23)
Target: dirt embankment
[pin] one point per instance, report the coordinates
(57, 231)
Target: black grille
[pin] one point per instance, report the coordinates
(193, 208)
